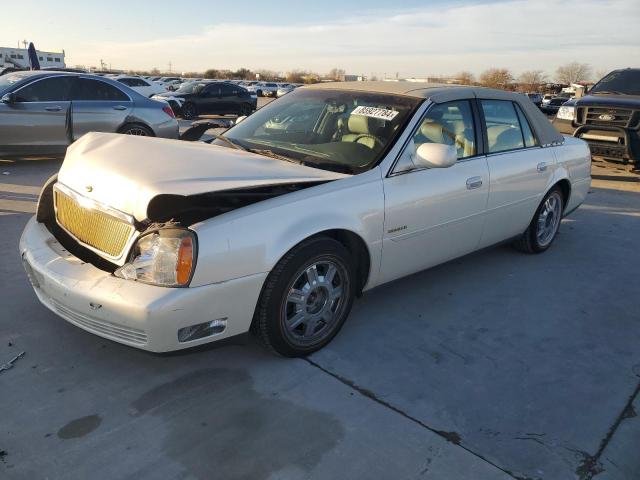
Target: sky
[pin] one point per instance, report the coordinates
(371, 37)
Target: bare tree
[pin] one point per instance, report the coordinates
(268, 75)
(243, 74)
(573, 72)
(601, 74)
(212, 73)
(496, 78)
(296, 76)
(532, 80)
(465, 78)
(336, 74)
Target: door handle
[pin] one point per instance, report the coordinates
(474, 182)
(542, 166)
(119, 107)
(53, 109)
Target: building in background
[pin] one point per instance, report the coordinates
(19, 58)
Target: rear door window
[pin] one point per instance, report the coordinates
(529, 138)
(96, 90)
(503, 126)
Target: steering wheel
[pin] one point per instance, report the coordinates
(375, 139)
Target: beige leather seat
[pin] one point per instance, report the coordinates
(503, 137)
(434, 132)
(448, 133)
(363, 130)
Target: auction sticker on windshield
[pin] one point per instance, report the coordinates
(373, 112)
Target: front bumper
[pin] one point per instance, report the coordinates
(135, 314)
(611, 143)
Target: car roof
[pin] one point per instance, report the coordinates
(412, 89)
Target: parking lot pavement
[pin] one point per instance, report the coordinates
(494, 366)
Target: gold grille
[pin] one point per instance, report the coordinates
(92, 227)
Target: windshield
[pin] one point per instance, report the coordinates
(335, 130)
(190, 87)
(626, 82)
(8, 80)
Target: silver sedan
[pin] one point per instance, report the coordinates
(42, 113)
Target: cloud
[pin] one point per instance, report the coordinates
(519, 35)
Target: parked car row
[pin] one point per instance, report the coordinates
(270, 89)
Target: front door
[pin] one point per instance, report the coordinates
(436, 214)
(37, 121)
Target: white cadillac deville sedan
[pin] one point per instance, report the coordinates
(280, 223)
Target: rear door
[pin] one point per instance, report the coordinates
(98, 106)
(521, 170)
(436, 214)
(229, 99)
(37, 121)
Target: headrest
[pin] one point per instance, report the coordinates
(359, 124)
(432, 131)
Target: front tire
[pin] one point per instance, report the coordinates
(306, 298)
(545, 224)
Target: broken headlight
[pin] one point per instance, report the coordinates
(165, 258)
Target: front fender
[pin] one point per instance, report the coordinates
(253, 239)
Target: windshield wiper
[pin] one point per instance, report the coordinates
(221, 137)
(272, 154)
(331, 166)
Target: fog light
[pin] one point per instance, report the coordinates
(201, 330)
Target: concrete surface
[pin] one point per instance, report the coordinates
(498, 365)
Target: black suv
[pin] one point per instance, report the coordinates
(608, 117)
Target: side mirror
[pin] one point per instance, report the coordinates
(436, 155)
(239, 119)
(9, 98)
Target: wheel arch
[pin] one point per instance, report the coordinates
(565, 187)
(135, 121)
(352, 241)
(357, 247)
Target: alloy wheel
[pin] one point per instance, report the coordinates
(315, 301)
(549, 219)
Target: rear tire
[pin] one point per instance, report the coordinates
(189, 111)
(545, 224)
(137, 129)
(306, 298)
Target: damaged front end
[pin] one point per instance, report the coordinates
(160, 250)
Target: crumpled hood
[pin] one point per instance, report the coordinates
(125, 172)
